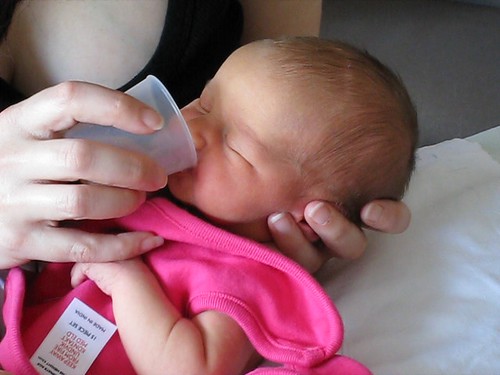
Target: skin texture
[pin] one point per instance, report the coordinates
(237, 154)
(242, 130)
(36, 166)
(38, 171)
(209, 343)
(40, 52)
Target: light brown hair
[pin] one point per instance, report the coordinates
(369, 135)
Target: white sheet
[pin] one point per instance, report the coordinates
(428, 301)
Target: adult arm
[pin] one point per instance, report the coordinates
(209, 343)
(274, 18)
(45, 180)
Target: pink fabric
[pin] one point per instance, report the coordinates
(283, 310)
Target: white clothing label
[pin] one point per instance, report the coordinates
(74, 342)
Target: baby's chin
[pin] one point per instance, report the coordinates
(179, 186)
(256, 230)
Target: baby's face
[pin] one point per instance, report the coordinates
(243, 125)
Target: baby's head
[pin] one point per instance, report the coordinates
(288, 121)
(367, 133)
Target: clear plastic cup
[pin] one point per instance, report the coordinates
(172, 146)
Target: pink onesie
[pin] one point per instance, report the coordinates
(285, 313)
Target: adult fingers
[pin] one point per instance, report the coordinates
(291, 241)
(77, 159)
(386, 216)
(340, 236)
(58, 244)
(75, 202)
(60, 107)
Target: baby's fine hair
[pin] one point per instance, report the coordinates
(366, 144)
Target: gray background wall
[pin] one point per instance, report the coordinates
(447, 53)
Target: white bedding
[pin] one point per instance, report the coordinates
(428, 301)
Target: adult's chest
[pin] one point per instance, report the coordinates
(102, 41)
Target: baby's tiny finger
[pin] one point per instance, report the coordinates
(77, 274)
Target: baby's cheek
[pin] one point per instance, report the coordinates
(180, 186)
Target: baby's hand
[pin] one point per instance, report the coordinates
(106, 275)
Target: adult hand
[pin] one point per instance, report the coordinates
(45, 179)
(340, 238)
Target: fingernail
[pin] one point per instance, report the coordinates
(373, 213)
(151, 243)
(319, 213)
(159, 177)
(162, 180)
(152, 119)
(280, 222)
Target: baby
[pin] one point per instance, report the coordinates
(282, 123)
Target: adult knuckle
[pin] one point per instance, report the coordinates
(76, 204)
(9, 116)
(77, 155)
(82, 252)
(13, 241)
(13, 247)
(119, 104)
(65, 92)
(136, 170)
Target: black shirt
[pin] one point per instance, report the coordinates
(197, 37)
